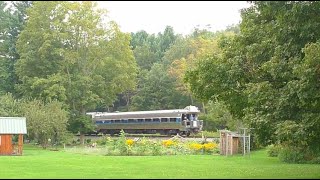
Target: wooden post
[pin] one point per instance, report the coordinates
(20, 144)
(244, 141)
(227, 143)
(220, 144)
(249, 145)
(231, 145)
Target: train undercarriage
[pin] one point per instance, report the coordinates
(166, 132)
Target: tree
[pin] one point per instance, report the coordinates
(165, 40)
(9, 107)
(80, 61)
(265, 75)
(13, 18)
(219, 117)
(158, 92)
(45, 121)
(184, 54)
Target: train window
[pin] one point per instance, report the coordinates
(140, 120)
(117, 121)
(178, 119)
(172, 119)
(131, 120)
(124, 120)
(164, 119)
(156, 120)
(147, 120)
(192, 117)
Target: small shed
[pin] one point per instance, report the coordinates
(229, 142)
(235, 142)
(10, 126)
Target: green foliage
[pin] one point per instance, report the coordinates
(149, 51)
(315, 160)
(103, 141)
(80, 123)
(12, 23)
(121, 144)
(9, 107)
(45, 121)
(273, 150)
(158, 92)
(66, 138)
(268, 74)
(79, 60)
(292, 155)
(145, 57)
(218, 113)
(142, 147)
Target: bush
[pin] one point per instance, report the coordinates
(291, 155)
(273, 150)
(315, 160)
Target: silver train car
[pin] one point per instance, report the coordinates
(166, 122)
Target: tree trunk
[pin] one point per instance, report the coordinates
(82, 138)
(83, 112)
(191, 99)
(127, 95)
(204, 109)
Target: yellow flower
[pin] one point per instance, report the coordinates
(196, 146)
(129, 142)
(210, 146)
(168, 143)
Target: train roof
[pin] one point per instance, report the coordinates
(144, 114)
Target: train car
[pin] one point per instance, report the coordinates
(166, 122)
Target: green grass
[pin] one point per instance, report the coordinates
(39, 163)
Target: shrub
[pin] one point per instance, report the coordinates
(315, 160)
(291, 155)
(102, 141)
(121, 143)
(142, 147)
(273, 150)
(156, 148)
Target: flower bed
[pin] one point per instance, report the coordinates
(123, 146)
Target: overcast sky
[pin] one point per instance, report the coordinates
(183, 16)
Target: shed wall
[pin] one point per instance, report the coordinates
(6, 147)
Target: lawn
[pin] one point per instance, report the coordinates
(39, 163)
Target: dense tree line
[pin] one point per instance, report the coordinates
(261, 74)
(268, 75)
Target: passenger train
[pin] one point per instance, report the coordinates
(166, 122)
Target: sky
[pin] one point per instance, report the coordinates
(183, 16)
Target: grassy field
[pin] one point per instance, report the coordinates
(39, 163)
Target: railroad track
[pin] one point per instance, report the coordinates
(96, 137)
